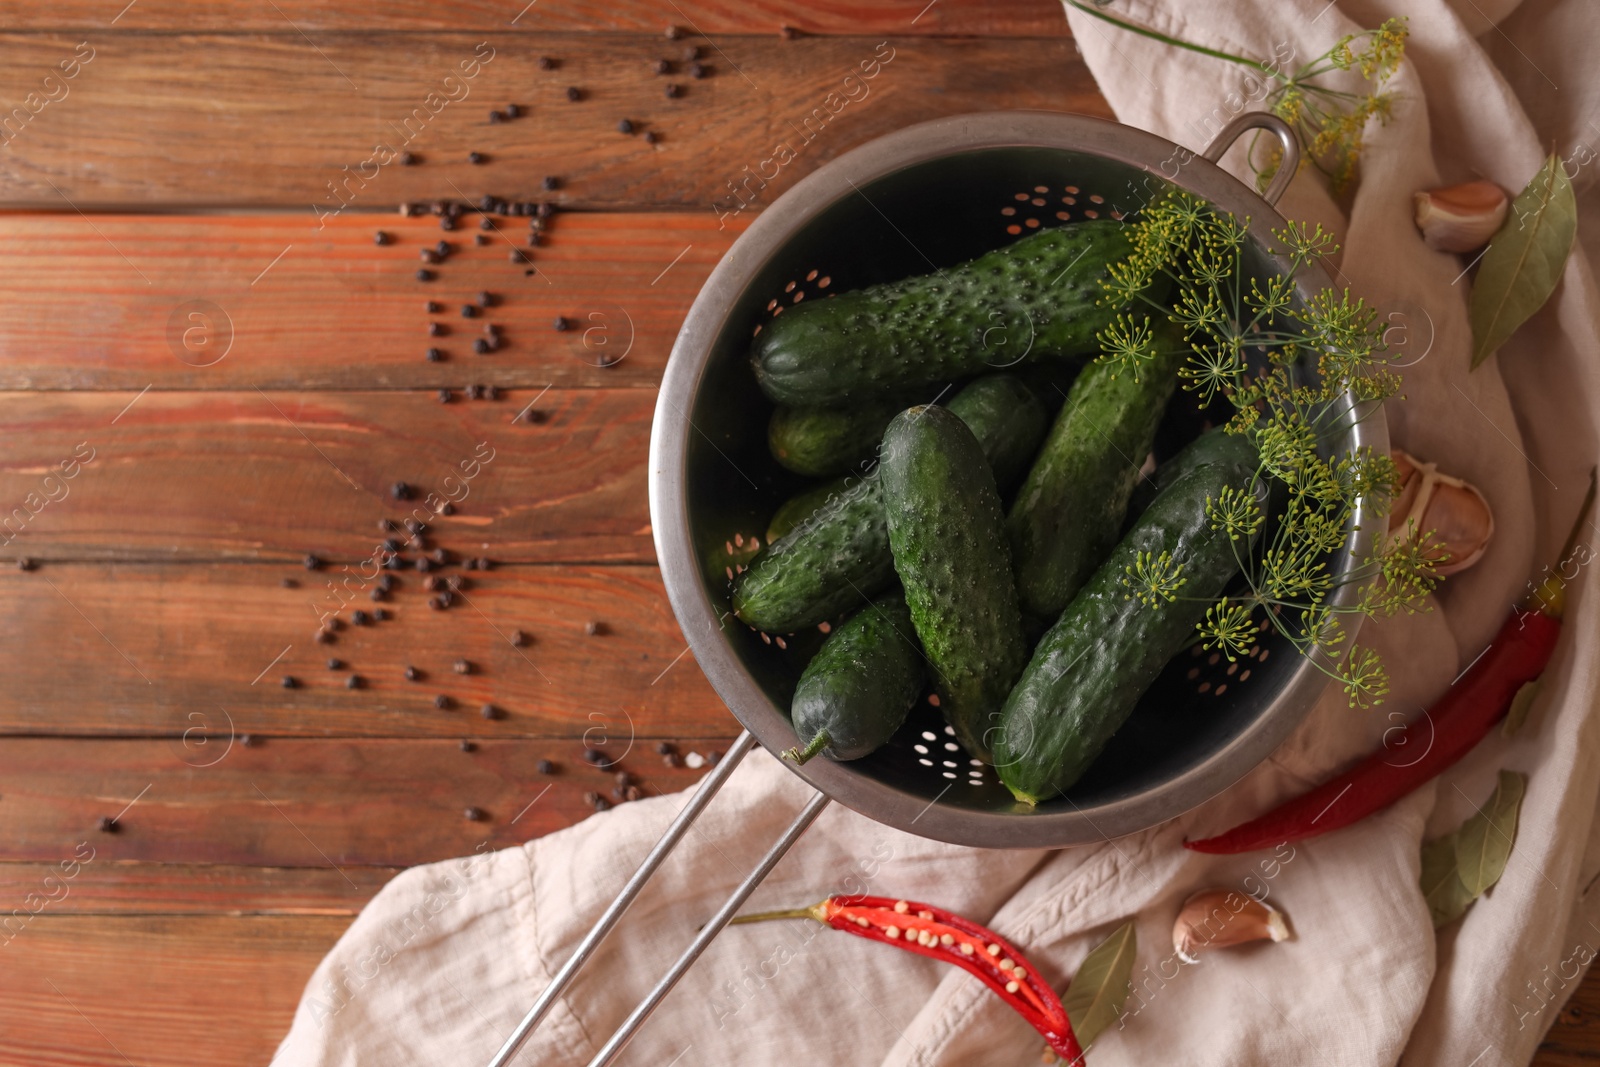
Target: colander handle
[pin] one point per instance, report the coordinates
(1261, 120)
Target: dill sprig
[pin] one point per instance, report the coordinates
(1330, 122)
(1297, 373)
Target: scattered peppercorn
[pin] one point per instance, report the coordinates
(442, 247)
(546, 63)
(311, 562)
(423, 566)
(663, 66)
(473, 814)
(562, 325)
(353, 682)
(468, 311)
(544, 210)
(468, 746)
(435, 355)
(550, 181)
(408, 210)
(287, 583)
(475, 158)
(594, 629)
(489, 711)
(436, 603)
(380, 238)
(358, 617)
(107, 825)
(335, 664)
(455, 583)
(673, 91)
(495, 116)
(379, 614)
(624, 779)
(415, 526)
(386, 583)
(287, 682)
(517, 255)
(474, 392)
(247, 741)
(693, 52)
(664, 748)
(376, 595)
(574, 94)
(632, 793)
(443, 702)
(436, 329)
(485, 222)
(480, 239)
(480, 346)
(430, 307)
(323, 637)
(672, 759)
(407, 159)
(424, 275)
(461, 666)
(788, 33)
(673, 33)
(624, 126)
(445, 396)
(513, 111)
(485, 564)
(401, 491)
(602, 804)
(544, 766)
(651, 137)
(447, 508)
(699, 70)
(594, 756)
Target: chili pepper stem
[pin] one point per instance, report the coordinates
(1550, 596)
(815, 745)
(814, 912)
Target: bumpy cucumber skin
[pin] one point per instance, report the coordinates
(862, 682)
(1034, 299)
(947, 533)
(820, 441)
(1088, 672)
(800, 507)
(1071, 507)
(1210, 447)
(839, 555)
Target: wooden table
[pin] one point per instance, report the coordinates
(218, 381)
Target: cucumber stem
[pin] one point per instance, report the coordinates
(817, 744)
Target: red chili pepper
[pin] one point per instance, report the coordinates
(1448, 731)
(942, 935)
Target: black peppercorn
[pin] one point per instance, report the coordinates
(447, 508)
(247, 741)
(287, 583)
(386, 582)
(407, 159)
(401, 491)
(673, 91)
(574, 94)
(517, 255)
(544, 766)
(624, 126)
(787, 32)
(550, 181)
(468, 746)
(427, 255)
(480, 346)
(593, 628)
(443, 702)
(288, 682)
(333, 623)
(408, 210)
(455, 583)
(358, 617)
(435, 329)
(323, 637)
(394, 563)
(651, 137)
(562, 324)
(447, 222)
(468, 311)
(518, 638)
(380, 238)
(461, 666)
(493, 391)
(474, 392)
(378, 614)
(484, 563)
(430, 307)
(663, 66)
(415, 525)
(435, 355)
(672, 759)
(692, 53)
(353, 682)
(485, 222)
(535, 239)
(602, 804)
(494, 116)
(445, 396)
(377, 595)
(436, 603)
(412, 674)
(546, 63)
(424, 275)
(446, 598)
(431, 582)
(624, 779)
(106, 825)
(335, 664)
(699, 70)
(480, 239)
(489, 711)
(594, 756)
(673, 33)
(311, 562)
(442, 247)
(513, 111)
(475, 158)
(473, 814)
(544, 210)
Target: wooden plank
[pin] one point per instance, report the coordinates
(156, 990)
(145, 649)
(274, 476)
(119, 887)
(293, 113)
(899, 17)
(1574, 1039)
(268, 301)
(307, 803)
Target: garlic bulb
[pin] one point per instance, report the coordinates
(1217, 918)
(1455, 513)
(1460, 218)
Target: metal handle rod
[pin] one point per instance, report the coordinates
(597, 933)
(1261, 120)
(618, 1040)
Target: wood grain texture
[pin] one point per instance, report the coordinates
(150, 649)
(266, 300)
(122, 887)
(275, 119)
(273, 476)
(1013, 18)
(172, 991)
(306, 803)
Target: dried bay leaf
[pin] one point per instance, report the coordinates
(1099, 989)
(1521, 704)
(1525, 259)
(1483, 844)
(1447, 898)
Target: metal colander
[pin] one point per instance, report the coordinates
(922, 199)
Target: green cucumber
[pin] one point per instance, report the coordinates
(1037, 298)
(800, 507)
(840, 556)
(1213, 445)
(858, 688)
(947, 533)
(1070, 509)
(819, 441)
(1089, 671)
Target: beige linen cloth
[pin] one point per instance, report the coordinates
(441, 965)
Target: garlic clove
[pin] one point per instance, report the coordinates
(1217, 918)
(1460, 218)
(1453, 512)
